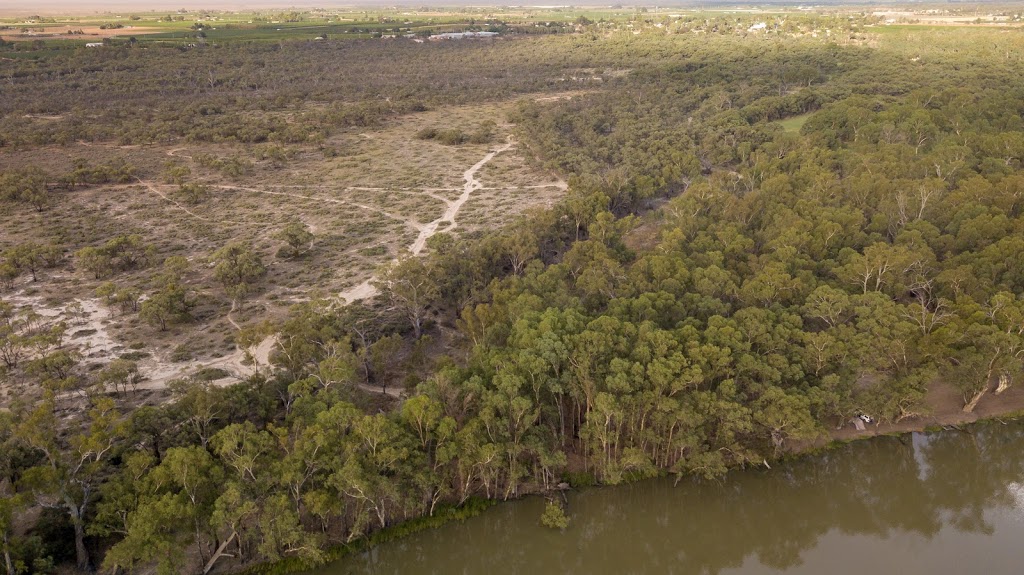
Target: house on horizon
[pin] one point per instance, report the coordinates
(461, 35)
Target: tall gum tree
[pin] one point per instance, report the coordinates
(73, 463)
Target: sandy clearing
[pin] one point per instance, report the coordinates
(161, 372)
(89, 332)
(262, 352)
(362, 291)
(92, 317)
(158, 369)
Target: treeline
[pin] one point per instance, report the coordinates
(37, 187)
(788, 282)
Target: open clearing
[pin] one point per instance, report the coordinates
(367, 197)
(794, 123)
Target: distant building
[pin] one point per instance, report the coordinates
(461, 35)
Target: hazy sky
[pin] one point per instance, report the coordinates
(84, 7)
(88, 6)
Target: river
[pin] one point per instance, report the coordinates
(948, 502)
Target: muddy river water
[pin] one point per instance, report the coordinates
(949, 502)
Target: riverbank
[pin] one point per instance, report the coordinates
(943, 403)
(444, 514)
(943, 503)
(944, 407)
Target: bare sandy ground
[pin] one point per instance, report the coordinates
(89, 332)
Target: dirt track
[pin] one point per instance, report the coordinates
(160, 373)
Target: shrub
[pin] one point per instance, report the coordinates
(554, 516)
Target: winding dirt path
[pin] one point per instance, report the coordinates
(234, 362)
(367, 290)
(471, 185)
(231, 320)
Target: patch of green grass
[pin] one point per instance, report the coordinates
(794, 123)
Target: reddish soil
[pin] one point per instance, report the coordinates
(88, 33)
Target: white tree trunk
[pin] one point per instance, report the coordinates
(974, 400)
(220, 552)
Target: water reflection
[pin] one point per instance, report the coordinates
(948, 502)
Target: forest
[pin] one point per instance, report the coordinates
(763, 236)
